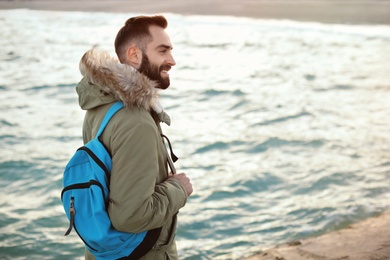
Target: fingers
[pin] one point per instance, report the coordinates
(185, 182)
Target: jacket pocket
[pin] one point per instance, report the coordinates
(167, 236)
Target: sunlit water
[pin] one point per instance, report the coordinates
(283, 127)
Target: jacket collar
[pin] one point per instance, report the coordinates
(121, 81)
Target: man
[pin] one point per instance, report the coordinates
(144, 194)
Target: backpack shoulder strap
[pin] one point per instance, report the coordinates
(110, 113)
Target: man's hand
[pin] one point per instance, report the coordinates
(184, 180)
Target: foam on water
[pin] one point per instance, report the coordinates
(282, 126)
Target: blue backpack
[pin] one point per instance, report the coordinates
(85, 199)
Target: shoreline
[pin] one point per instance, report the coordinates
(368, 12)
(364, 240)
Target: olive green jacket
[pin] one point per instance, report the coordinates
(141, 195)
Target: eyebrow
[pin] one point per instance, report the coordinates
(164, 46)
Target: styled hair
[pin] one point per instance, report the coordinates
(136, 31)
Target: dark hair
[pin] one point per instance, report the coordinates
(136, 31)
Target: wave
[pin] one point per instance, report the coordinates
(282, 119)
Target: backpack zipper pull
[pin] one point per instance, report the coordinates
(72, 212)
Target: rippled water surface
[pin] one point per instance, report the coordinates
(283, 127)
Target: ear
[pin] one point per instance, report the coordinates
(134, 56)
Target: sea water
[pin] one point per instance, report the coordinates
(282, 126)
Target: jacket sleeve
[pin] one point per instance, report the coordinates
(138, 202)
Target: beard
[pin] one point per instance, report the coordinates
(153, 72)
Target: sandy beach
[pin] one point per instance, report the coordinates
(331, 11)
(368, 239)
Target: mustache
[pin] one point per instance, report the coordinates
(165, 67)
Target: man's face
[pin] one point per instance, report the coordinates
(158, 59)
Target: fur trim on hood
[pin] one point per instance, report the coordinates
(120, 80)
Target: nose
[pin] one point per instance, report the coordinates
(171, 61)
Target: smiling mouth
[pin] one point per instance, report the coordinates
(165, 70)
(165, 73)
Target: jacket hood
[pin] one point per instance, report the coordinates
(107, 80)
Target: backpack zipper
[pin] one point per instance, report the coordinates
(83, 185)
(72, 212)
